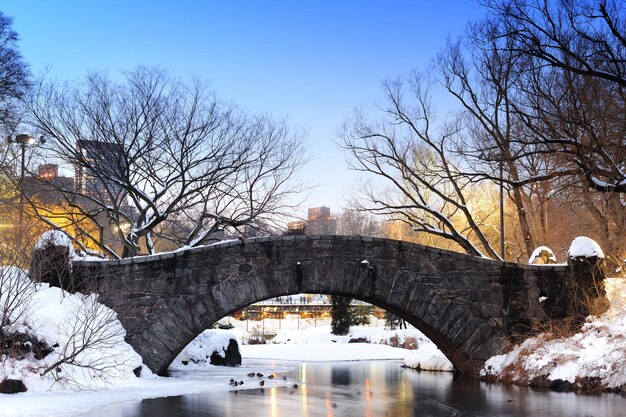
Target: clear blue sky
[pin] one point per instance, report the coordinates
(309, 61)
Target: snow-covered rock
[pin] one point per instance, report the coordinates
(54, 238)
(51, 260)
(199, 353)
(584, 247)
(542, 255)
(428, 358)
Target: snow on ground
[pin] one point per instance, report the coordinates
(377, 335)
(323, 352)
(317, 344)
(596, 351)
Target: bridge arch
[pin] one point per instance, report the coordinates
(469, 307)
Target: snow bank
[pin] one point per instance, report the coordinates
(428, 358)
(583, 247)
(596, 352)
(197, 354)
(322, 334)
(323, 352)
(86, 339)
(318, 344)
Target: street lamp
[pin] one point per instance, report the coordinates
(24, 141)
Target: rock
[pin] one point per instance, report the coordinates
(217, 359)
(137, 371)
(51, 263)
(231, 357)
(561, 385)
(19, 344)
(12, 386)
(542, 255)
(358, 340)
(540, 381)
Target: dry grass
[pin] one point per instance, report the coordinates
(409, 343)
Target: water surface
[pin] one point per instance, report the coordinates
(372, 389)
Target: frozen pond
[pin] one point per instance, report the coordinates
(370, 389)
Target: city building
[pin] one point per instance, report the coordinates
(47, 187)
(318, 222)
(296, 228)
(102, 162)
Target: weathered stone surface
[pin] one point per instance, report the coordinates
(472, 308)
(51, 264)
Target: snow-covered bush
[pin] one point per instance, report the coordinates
(16, 292)
(84, 339)
(595, 353)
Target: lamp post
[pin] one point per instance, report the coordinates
(502, 254)
(24, 141)
(487, 156)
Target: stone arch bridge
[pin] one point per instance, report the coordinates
(471, 308)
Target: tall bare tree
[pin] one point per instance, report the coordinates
(564, 48)
(14, 84)
(14, 75)
(155, 157)
(481, 76)
(427, 189)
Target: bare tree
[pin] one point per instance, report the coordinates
(482, 81)
(14, 85)
(351, 221)
(155, 157)
(14, 75)
(565, 49)
(91, 342)
(428, 191)
(16, 292)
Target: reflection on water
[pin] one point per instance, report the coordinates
(374, 389)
